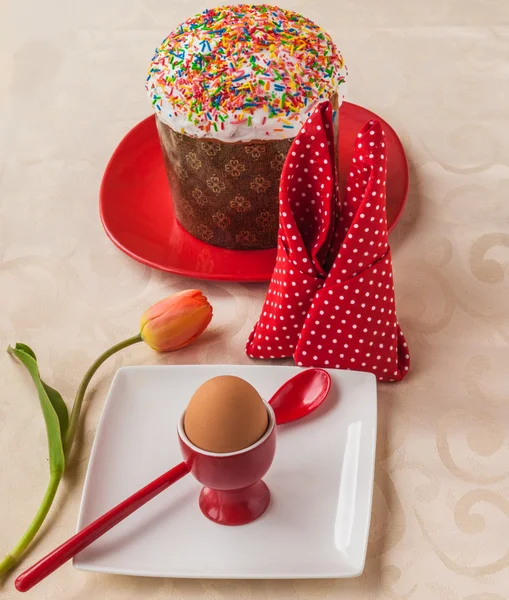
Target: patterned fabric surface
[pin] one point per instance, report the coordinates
(71, 85)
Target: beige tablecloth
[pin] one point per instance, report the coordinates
(71, 84)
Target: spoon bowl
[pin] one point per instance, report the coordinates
(300, 395)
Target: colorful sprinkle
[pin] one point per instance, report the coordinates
(247, 63)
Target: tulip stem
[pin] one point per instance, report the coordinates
(12, 558)
(80, 394)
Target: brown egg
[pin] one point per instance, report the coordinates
(225, 414)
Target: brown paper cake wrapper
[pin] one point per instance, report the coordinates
(225, 194)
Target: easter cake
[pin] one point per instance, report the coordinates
(231, 88)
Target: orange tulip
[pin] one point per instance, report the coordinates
(168, 325)
(175, 321)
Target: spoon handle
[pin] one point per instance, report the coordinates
(96, 529)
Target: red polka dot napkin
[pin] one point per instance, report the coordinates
(344, 315)
(352, 322)
(307, 205)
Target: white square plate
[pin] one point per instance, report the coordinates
(321, 483)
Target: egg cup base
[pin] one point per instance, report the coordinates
(235, 507)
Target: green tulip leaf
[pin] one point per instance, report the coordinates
(60, 408)
(53, 408)
(26, 349)
(54, 397)
(61, 429)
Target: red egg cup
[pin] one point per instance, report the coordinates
(233, 492)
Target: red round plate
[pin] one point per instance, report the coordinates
(137, 210)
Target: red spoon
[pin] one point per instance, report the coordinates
(297, 398)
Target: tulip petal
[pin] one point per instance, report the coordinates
(176, 321)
